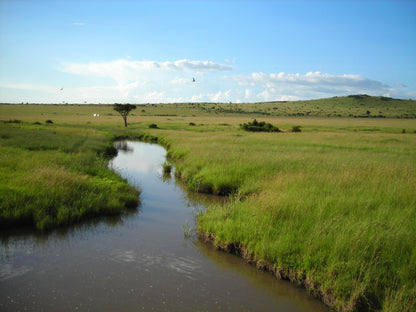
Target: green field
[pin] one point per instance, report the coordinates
(54, 175)
(332, 207)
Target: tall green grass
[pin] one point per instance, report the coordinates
(332, 210)
(53, 176)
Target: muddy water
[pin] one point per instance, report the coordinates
(138, 262)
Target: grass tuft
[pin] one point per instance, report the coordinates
(167, 168)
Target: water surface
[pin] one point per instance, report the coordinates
(140, 261)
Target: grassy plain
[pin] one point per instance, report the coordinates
(53, 176)
(332, 207)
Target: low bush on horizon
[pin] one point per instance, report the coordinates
(296, 129)
(256, 126)
(153, 126)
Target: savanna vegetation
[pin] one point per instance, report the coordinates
(332, 207)
(256, 126)
(124, 110)
(53, 176)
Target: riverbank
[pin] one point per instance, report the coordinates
(139, 260)
(280, 273)
(57, 175)
(333, 210)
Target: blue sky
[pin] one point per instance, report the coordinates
(240, 51)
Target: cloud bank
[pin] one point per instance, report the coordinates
(127, 69)
(283, 86)
(126, 80)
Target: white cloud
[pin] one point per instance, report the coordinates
(125, 80)
(30, 87)
(154, 97)
(196, 66)
(311, 79)
(180, 81)
(276, 86)
(220, 96)
(197, 98)
(411, 95)
(125, 69)
(136, 78)
(400, 85)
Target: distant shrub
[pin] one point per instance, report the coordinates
(192, 124)
(296, 129)
(37, 123)
(153, 126)
(257, 126)
(17, 121)
(49, 121)
(167, 168)
(110, 152)
(358, 96)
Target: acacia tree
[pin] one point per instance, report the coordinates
(124, 110)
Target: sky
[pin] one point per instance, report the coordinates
(107, 51)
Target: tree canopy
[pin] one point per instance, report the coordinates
(124, 110)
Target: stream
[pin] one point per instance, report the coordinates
(140, 261)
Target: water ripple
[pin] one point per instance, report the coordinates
(9, 270)
(182, 265)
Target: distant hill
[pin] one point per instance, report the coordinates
(356, 106)
(359, 106)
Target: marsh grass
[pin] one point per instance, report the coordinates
(54, 177)
(337, 210)
(167, 168)
(332, 207)
(187, 230)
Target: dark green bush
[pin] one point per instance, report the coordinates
(110, 152)
(167, 168)
(153, 126)
(257, 126)
(17, 121)
(296, 129)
